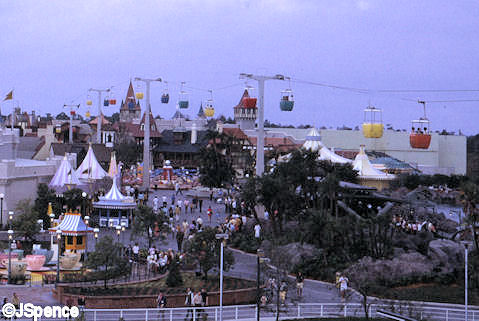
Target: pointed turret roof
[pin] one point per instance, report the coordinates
(65, 175)
(245, 95)
(113, 169)
(130, 98)
(201, 113)
(313, 140)
(366, 170)
(90, 168)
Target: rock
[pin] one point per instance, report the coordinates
(447, 255)
(398, 251)
(294, 252)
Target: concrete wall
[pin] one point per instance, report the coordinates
(445, 154)
(19, 180)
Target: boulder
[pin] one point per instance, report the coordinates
(447, 255)
(293, 252)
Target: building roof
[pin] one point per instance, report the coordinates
(130, 98)
(167, 143)
(29, 146)
(135, 130)
(235, 132)
(201, 113)
(241, 104)
(104, 121)
(72, 224)
(102, 152)
(114, 199)
(313, 140)
(178, 114)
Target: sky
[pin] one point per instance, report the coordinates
(52, 52)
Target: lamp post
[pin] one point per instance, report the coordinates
(260, 255)
(10, 219)
(59, 238)
(146, 140)
(466, 248)
(52, 217)
(10, 237)
(87, 218)
(123, 229)
(84, 195)
(2, 196)
(96, 230)
(99, 118)
(72, 113)
(223, 237)
(118, 232)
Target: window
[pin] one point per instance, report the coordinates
(69, 240)
(79, 240)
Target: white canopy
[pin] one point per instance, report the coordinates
(114, 193)
(365, 168)
(65, 175)
(327, 154)
(90, 168)
(72, 224)
(113, 169)
(313, 140)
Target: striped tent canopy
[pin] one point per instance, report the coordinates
(114, 199)
(113, 169)
(90, 168)
(65, 175)
(327, 154)
(72, 224)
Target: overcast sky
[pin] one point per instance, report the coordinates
(52, 51)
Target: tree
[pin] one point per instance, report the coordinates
(45, 195)
(25, 221)
(174, 278)
(470, 199)
(107, 261)
(128, 152)
(145, 221)
(73, 198)
(215, 169)
(204, 248)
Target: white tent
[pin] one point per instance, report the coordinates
(114, 193)
(365, 168)
(113, 169)
(65, 175)
(327, 154)
(90, 168)
(313, 140)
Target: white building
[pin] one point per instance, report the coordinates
(19, 177)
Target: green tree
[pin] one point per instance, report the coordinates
(174, 278)
(107, 261)
(45, 195)
(128, 152)
(73, 199)
(144, 222)
(204, 248)
(470, 199)
(215, 169)
(25, 221)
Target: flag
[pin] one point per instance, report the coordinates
(9, 96)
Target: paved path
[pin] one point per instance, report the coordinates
(244, 267)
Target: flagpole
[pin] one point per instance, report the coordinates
(13, 112)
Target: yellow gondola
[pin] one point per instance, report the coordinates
(373, 124)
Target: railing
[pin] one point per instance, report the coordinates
(419, 311)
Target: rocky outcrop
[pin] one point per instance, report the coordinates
(446, 255)
(293, 252)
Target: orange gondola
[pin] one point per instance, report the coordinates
(420, 136)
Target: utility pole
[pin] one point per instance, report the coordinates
(72, 113)
(260, 141)
(146, 140)
(98, 125)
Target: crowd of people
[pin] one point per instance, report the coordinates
(411, 225)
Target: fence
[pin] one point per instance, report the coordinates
(420, 311)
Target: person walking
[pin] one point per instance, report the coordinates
(190, 295)
(343, 281)
(161, 301)
(200, 201)
(299, 284)
(180, 235)
(164, 200)
(156, 202)
(5, 301)
(197, 301)
(210, 213)
(283, 289)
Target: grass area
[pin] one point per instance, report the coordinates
(190, 280)
(430, 292)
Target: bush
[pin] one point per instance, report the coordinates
(174, 278)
